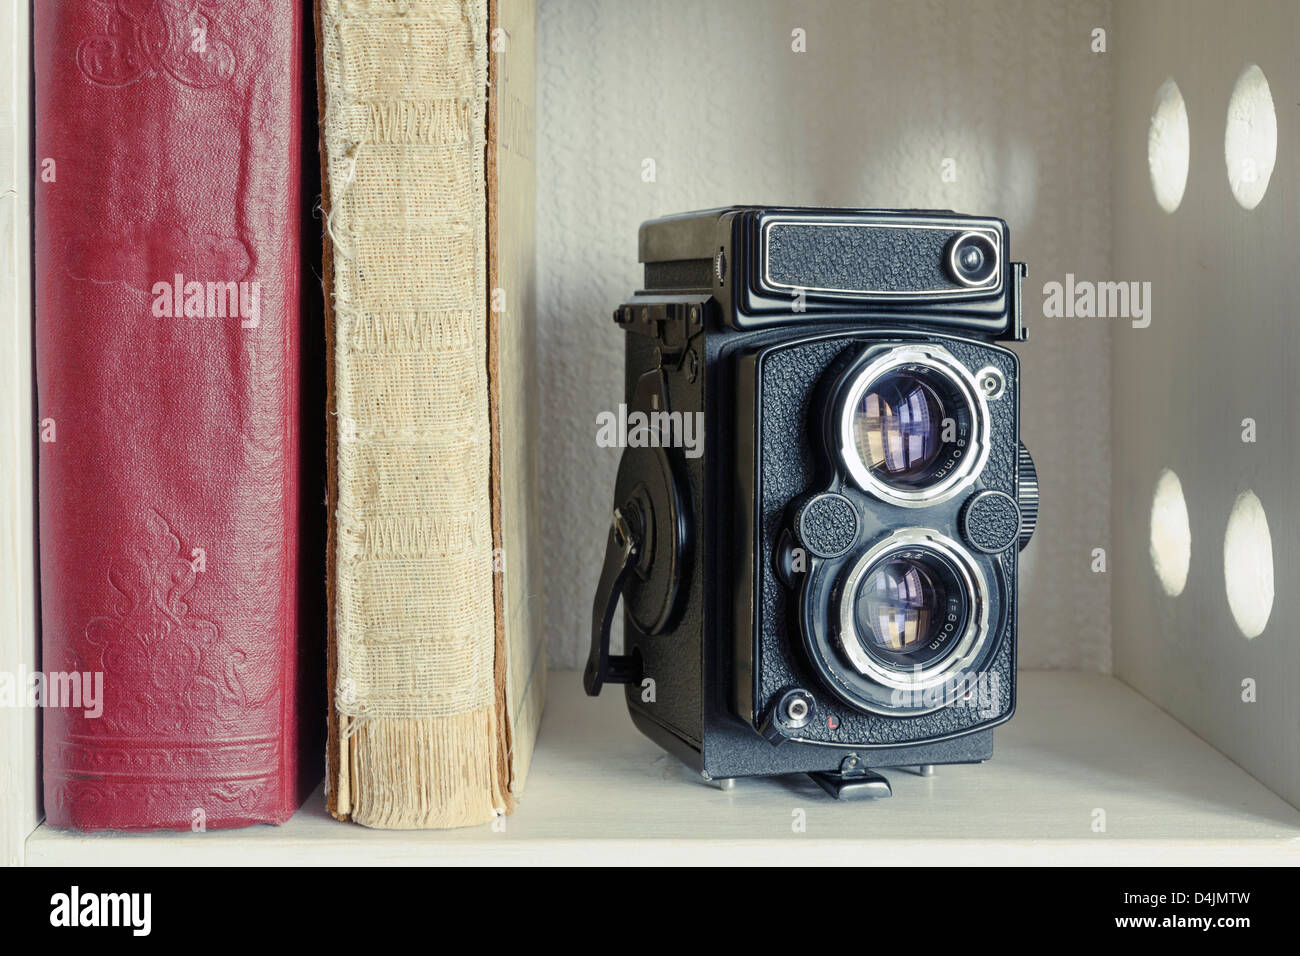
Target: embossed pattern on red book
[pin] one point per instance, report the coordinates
(167, 263)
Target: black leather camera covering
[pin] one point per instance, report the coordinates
(790, 463)
(847, 257)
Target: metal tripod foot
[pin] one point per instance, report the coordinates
(856, 785)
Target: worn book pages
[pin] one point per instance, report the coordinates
(433, 657)
(512, 181)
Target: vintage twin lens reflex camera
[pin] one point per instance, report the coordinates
(826, 583)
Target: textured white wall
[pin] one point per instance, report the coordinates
(885, 92)
(1222, 346)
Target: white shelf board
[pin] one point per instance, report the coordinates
(600, 792)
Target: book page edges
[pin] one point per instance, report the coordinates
(512, 318)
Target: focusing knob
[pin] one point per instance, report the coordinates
(1027, 493)
(826, 524)
(990, 521)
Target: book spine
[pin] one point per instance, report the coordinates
(417, 735)
(167, 334)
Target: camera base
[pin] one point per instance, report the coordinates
(857, 783)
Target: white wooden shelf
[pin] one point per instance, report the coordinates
(600, 792)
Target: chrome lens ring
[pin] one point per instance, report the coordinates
(973, 585)
(972, 454)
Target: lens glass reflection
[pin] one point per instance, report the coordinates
(901, 430)
(907, 609)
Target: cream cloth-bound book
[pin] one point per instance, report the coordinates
(436, 664)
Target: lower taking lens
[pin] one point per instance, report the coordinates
(907, 608)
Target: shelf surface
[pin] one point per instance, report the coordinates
(599, 792)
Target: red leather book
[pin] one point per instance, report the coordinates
(167, 347)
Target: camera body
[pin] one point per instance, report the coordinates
(822, 493)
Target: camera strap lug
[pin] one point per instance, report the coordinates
(621, 553)
(671, 321)
(1019, 333)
